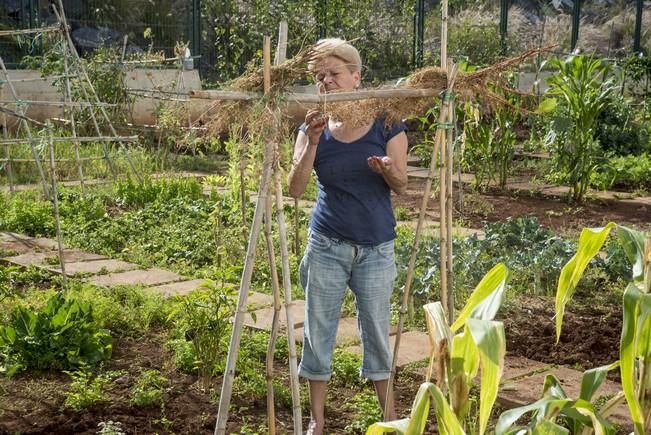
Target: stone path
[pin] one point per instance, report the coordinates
(522, 380)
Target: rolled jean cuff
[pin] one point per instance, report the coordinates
(379, 375)
(302, 372)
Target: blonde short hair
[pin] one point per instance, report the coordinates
(338, 48)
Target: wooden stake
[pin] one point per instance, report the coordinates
(73, 124)
(10, 173)
(287, 287)
(439, 142)
(55, 203)
(449, 204)
(271, 416)
(245, 283)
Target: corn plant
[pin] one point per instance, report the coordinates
(579, 414)
(481, 343)
(577, 95)
(635, 343)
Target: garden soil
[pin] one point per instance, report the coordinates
(33, 403)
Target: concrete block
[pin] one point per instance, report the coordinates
(264, 317)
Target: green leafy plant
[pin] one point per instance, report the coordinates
(489, 144)
(63, 335)
(203, 319)
(578, 94)
(148, 389)
(367, 411)
(87, 390)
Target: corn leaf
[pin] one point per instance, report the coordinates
(397, 426)
(637, 307)
(590, 242)
(491, 341)
(633, 244)
(448, 424)
(480, 304)
(437, 322)
(549, 428)
(553, 388)
(546, 106)
(547, 409)
(464, 366)
(592, 380)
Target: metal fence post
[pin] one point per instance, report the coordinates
(504, 20)
(637, 39)
(419, 33)
(576, 17)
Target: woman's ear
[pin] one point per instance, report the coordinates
(357, 76)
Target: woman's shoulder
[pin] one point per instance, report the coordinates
(388, 129)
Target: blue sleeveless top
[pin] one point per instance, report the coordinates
(353, 202)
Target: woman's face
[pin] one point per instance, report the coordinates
(332, 74)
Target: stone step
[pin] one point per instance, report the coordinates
(146, 277)
(179, 288)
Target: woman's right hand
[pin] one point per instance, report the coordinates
(315, 123)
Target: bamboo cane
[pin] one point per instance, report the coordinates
(28, 130)
(281, 50)
(449, 204)
(445, 235)
(54, 103)
(60, 14)
(287, 287)
(281, 54)
(28, 31)
(238, 322)
(443, 218)
(73, 124)
(10, 171)
(439, 140)
(317, 98)
(55, 203)
(62, 18)
(275, 286)
(72, 139)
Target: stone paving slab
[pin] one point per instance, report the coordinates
(414, 346)
(51, 258)
(179, 288)
(256, 300)
(264, 317)
(8, 236)
(95, 267)
(147, 277)
(23, 246)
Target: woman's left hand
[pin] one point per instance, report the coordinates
(379, 164)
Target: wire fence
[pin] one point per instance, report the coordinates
(393, 36)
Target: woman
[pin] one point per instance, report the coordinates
(350, 239)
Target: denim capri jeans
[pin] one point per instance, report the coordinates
(330, 266)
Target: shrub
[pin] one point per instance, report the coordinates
(63, 335)
(624, 172)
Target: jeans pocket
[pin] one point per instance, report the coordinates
(386, 250)
(319, 241)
